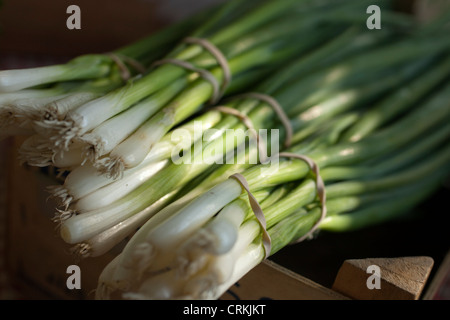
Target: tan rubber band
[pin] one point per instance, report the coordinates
(320, 186)
(121, 60)
(218, 55)
(257, 210)
(218, 90)
(278, 110)
(248, 123)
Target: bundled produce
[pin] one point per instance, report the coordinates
(341, 130)
(373, 173)
(199, 162)
(200, 250)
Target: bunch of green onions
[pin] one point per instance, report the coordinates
(264, 44)
(349, 97)
(198, 250)
(93, 220)
(375, 168)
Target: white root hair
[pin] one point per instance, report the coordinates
(62, 215)
(60, 132)
(94, 148)
(81, 250)
(61, 195)
(111, 167)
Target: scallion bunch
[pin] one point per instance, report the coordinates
(146, 155)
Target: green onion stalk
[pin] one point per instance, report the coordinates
(157, 263)
(85, 226)
(22, 109)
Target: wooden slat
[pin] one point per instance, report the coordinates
(272, 281)
(439, 287)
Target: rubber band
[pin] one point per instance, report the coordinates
(257, 210)
(248, 123)
(218, 55)
(133, 62)
(320, 186)
(278, 110)
(205, 74)
(259, 214)
(218, 90)
(121, 61)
